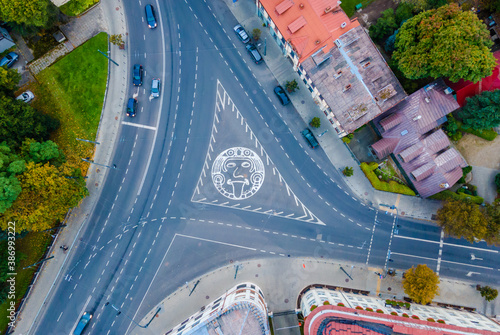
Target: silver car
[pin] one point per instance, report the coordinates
(26, 96)
(155, 88)
(241, 33)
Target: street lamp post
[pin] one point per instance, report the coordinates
(102, 53)
(128, 317)
(91, 162)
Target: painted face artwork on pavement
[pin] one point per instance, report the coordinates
(238, 173)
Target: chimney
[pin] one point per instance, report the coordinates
(418, 117)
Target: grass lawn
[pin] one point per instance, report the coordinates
(33, 245)
(349, 6)
(72, 90)
(76, 7)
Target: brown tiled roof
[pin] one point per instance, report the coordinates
(418, 148)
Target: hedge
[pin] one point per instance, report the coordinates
(486, 134)
(377, 184)
(448, 195)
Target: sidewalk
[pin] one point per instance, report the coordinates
(335, 149)
(282, 279)
(111, 115)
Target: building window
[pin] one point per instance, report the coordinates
(241, 286)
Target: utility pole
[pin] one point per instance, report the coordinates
(102, 53)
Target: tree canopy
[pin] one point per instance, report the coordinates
(444, 42)
(385, 25)
(36, 13)
(482, 111)
(463, 219)
(9, 78)
(421, 284)
(488, 293)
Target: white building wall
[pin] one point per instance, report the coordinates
(461, 318)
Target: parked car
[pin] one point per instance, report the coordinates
(84, 321)
(254, 53)
(26, 96)
(132, 107)
(241, 33)
(308, 135)
(9, 59)
(280, 92)
(137, 79)
(155, 88)
(151, 16)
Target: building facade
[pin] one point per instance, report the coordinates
(242, 308)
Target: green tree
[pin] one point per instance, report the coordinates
(385, 25)
(403, 12)
(488, 293)
(315, 122)
(19, 121)
(497, 181)
(421, 5)
(461, 218)
(10, 188)
(292, 86)
(421, 284)
(481, 111)
(256, 34)
(38, 13)
(42, 152)
(47, 195)
(444, 42)
(348, 171)
(493, 227)
(9, 78)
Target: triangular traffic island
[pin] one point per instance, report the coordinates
(238, 173)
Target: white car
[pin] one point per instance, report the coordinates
(155, 88)
(26, 96)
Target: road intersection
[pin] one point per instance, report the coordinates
(216, 171)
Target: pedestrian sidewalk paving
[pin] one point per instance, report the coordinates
(33, 307)
(337, 152)
(282, 279)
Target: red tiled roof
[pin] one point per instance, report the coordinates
(283, 6)
(349, 321)
(297, 24)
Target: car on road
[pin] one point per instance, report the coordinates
(280, 93)
(150, 16)
(26, 96)
(84, 321)
(9, 59)
(155, 88)
(241, 33)
(137, 78)
(132, 107)
(309, 136)
(254, 53)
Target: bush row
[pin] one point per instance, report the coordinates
(390, 186)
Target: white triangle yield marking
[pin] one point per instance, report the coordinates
(222, 121)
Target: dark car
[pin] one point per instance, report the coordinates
(9, 59)
(84, 321)
(308, 135)
(241, 33)
(131, 107)
(150, 16)
(280, 92)
(137, 79)
(254, 53)
(155, 88)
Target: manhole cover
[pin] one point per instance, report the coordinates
(230, 261)
(286, 301)
(402, 213)
(256, 275)
(389, 289)
(346, 280)
(258, 265)
(207, 297)
(303, 102)
(117, 8)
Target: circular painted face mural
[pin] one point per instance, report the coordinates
(238, 173)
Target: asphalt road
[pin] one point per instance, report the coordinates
(162, 220)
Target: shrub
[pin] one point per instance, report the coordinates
(415, 317)
(457, 136)
(325, 303)
(339, 304)
(440, 321)
(348, 171)
(369, 309)
(394, 313)
(292, 86)
(405, 315)
(346, 140)
(359, 307)
(256, 34)
(315, 122)
(430, 320)
(390, 186)
(350, 136)
(497, 181)
(449, 195)
(313, 307)
(380, 311)
(488, 293)
(487, 134)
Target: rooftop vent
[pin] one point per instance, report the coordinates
(343, 25)
(338, 43)
(365, 65)
(404, 132)
(427, 100)
(448, 90)
(328, 9)
(418, 117)
(347, 88)
(444, 185)
(301, 5)
(317, 42)
(338, 75)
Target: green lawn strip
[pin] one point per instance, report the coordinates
(33, 245)
(377, 184)
(76, 7)
(72, 90)
(449, 195)
(349, 6)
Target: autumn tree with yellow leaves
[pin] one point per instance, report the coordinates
(421, 284)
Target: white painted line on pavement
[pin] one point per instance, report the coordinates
(413, 256)
(448, 244)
